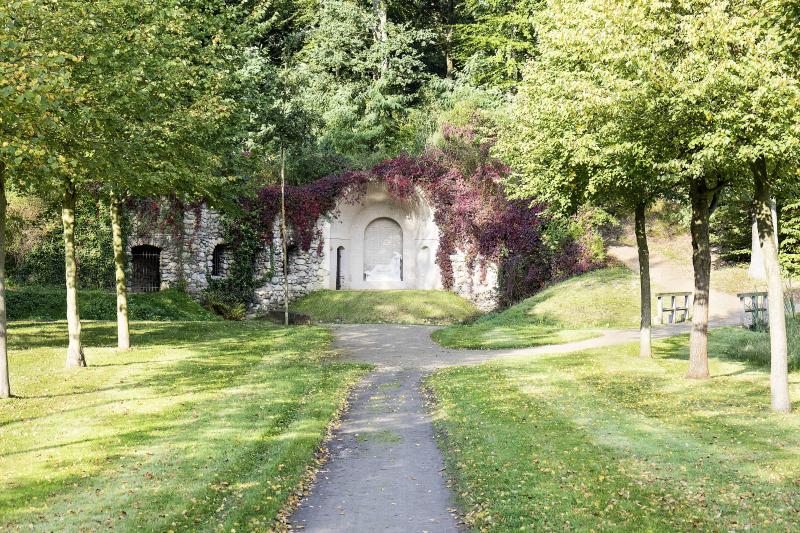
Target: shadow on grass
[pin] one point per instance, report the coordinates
(222, 414)
(33, 334)
(729, 344)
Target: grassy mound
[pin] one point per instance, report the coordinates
(603, 440)
(49, 303)
(204, 426)
(385, 307)
(565, 312)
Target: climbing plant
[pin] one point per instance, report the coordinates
(474, 215)
(241, 226)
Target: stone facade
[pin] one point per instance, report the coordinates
(478, 285)
(342, 255)
(186, 246)
(306, 274)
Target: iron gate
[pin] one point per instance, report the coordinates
(146, 263)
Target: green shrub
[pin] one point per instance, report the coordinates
(227, 310)
(36, 245)
(49, 303)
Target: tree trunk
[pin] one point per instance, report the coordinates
(779, 369)
(75, 357)
(283, 240)
(756, 270)
(381, 30)
(448, 55)
(123, 332)
(5, 382)
(702, 199)
(645, 343)
(449, 18)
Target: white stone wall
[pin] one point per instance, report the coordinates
(419, 241)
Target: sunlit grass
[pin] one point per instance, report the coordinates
(391, 307)
(201, 426)
(568, 311)
(603, 440)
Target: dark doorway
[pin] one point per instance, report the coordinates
(146, 267)
(339, 267)
(218, 260)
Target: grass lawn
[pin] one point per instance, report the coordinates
(753, 347)
(385, 307)
(601, 440)
(568, 311)
(204, 426)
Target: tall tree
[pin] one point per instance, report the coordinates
(172, 120)
(575, 133)
(33, 84)
(361, 74)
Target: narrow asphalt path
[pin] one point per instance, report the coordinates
(385, 472)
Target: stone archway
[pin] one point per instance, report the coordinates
(383, 250)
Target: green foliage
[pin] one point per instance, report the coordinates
(753, 347)
(224, 307)
(195, 411)
(34, 83)
(731, 226)
(36, 253)
(362, 85)
(385, 307)
(789, 225)
(565, 312)
(49, 303)
(589, 227)
(494, 40)
(602, 440)
(243, 231)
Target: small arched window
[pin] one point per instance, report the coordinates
(218, 260)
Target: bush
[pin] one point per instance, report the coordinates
(49, 303)
(36, 244)
(229, 310)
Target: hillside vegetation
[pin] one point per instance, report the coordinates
(568, 311)
(385, 307)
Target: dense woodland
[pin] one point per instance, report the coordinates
(599, 109)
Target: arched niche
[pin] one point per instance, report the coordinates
(383, 251)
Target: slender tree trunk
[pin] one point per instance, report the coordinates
(701, 199)
(75, 357)
(779, 369)
(283, 240)
(645, 342)
(449, 18)
(381, 30)
(123, 332)
(756, 270)
(448, 55)
(5, 382)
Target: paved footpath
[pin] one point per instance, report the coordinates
(385, 472)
